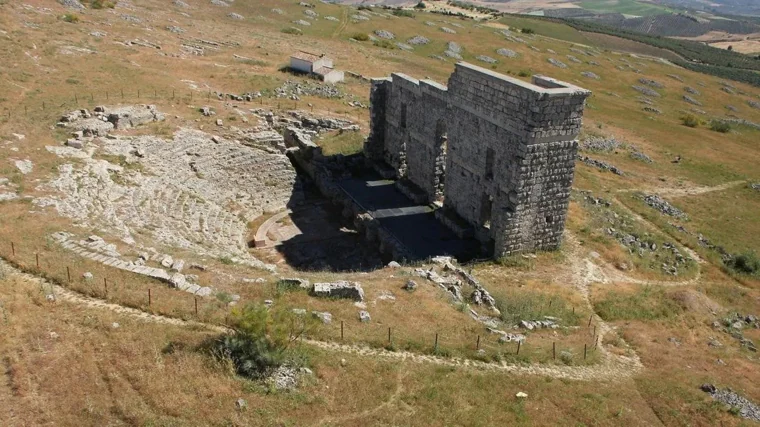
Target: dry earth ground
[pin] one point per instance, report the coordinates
(89, 373)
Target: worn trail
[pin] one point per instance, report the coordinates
(612, 368)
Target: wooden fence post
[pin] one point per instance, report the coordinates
(68, 273)
(389, 335)
(13, 249)
(584, 351)
(435, 347)
(589, 320)
(341, 330)
(477, 344)
(37, 258)
(105, 286)
(554, 351)
(150, 300)
(518, 346)
(196, 306)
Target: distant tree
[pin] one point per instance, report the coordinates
(420, 5)
(730, 47)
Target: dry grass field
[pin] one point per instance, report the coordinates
(67, 362)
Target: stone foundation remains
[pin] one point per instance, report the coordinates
(495, 152)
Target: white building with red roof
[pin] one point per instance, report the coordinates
(319, 66)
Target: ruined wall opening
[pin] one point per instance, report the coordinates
(486, 206)
(441, 147)
(402, 120)
(489, 163)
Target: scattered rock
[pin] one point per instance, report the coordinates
(71, 4)
(486, 59)
(590, 75)
(284, 378)
(323, 316)
(663, 206)
(340, 289)
(410, 285)
(557, 63)
(234, 15)
(507, 52)
(691, 100)
(651, 83)
(418, 40)
(385, 34)
(454, 47)
(521, 395)
(241, 404)
(646, 91)
(448, 30)
(87, 275)
(743, 406)
(600, 144)
(24, 166)
(600, 165)
(364, 316)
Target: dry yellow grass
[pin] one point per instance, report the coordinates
(93, 374)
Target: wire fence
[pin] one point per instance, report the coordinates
(91, 278)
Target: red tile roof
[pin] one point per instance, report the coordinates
(323, 71)
(306, 56)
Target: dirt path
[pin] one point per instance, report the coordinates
(343, 23)
(392, 400)
(693, 190)
(613, 367)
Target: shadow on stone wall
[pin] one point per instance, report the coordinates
(329, 242)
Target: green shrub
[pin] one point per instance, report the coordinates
(362, 37)
(523, 73)
(72, 18)
(403, 13)
(720, 126)
(745, 263)
(292, 30)
(420, 5)
(690, 120)
(385, 44)
(363, 7)
(527, 31)
(102, 4)
(264, 340)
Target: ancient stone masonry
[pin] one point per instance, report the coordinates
(496, 153)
